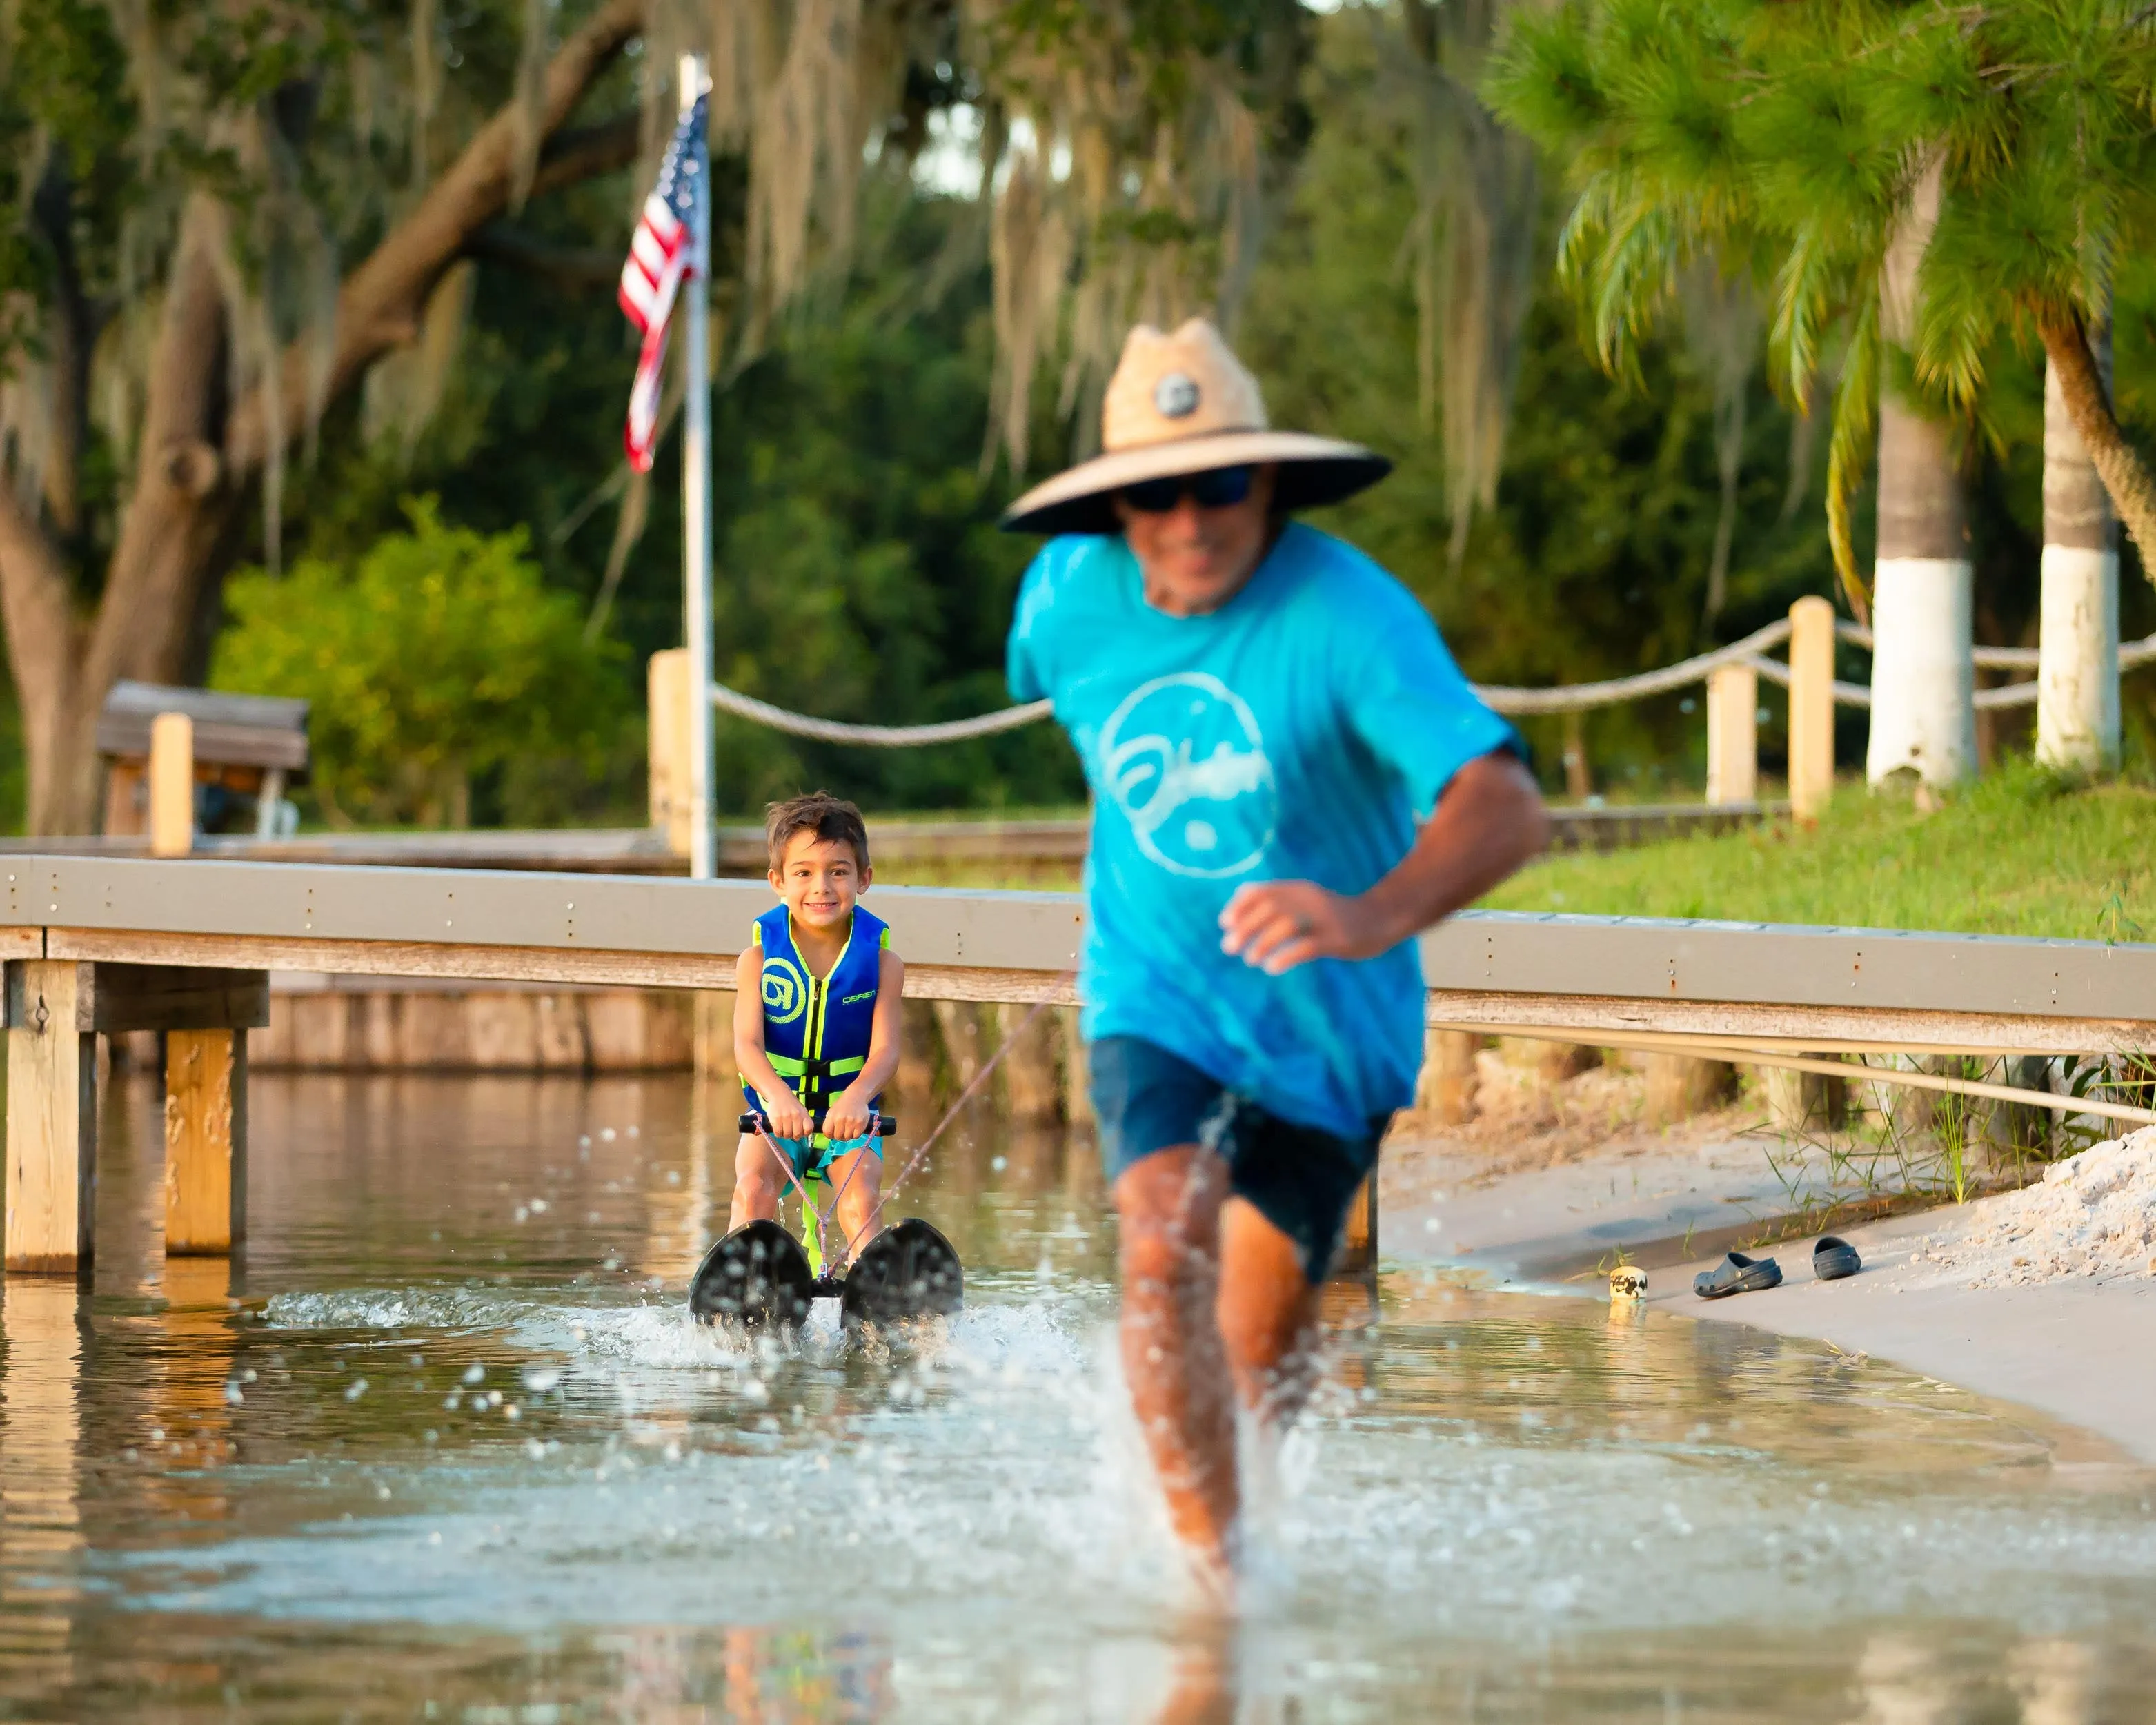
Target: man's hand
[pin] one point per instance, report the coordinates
(1280, 924)
(1489, 821)
(789, 1118)
(846, 1117)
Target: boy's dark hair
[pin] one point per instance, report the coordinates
(832, 819)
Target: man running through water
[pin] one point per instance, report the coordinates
(1263, 714)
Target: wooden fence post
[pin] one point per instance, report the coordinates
(668, 716)
(205, 1142)
(171, 785)
(52, 1120)
(1811, 707)
(1733, 734)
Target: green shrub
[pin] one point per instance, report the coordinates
(439, 655)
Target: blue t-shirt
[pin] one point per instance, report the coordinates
(1295, 734)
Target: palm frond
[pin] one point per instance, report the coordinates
(1850, 447)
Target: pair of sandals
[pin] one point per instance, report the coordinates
(1832, 1260)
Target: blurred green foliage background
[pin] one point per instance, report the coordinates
(440, 603)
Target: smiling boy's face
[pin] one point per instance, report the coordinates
(819, 879)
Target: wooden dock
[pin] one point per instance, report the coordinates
(106, 946)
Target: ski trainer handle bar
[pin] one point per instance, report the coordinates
(886, 1126)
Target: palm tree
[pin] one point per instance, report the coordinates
(1923, 585)
(2045, 111)
(2078, 672)
(1909, 182)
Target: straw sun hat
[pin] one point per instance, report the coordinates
(1184, 403)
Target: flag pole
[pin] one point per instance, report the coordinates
(697, 494)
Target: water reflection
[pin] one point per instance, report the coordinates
(194, 1389)
(2057, 1682)
(41, 1534)
(443, 1445)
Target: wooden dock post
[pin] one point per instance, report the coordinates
(205, 1142)
(52, 1120)
(1358, 1240)
(1733, 734)
(713, 1056)
(1032, 1087)
(1450, 1077)
(917, 1050)
(1077, 1074)
(171, 785)
(1811, 707)
(205, 1015)
(958, 1022)
(1681, 1085)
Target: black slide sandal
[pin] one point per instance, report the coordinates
(1833, 1258)
(1737, 1274)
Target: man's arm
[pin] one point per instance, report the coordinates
(1490, 820)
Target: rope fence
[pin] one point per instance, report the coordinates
(1576, 697)
(879, 737)
(1513, 701)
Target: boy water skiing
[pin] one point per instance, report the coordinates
(1263, 716)
(813, 1062)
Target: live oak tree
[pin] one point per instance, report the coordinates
(237, 214)
(180, 311)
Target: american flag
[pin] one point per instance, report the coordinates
(662, 253)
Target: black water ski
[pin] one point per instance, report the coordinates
(756, 1277)
(907, 1271)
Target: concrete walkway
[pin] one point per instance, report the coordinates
(2079, 1350)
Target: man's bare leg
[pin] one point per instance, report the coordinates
(757, 1180)
(1204, 1693)
(1170, 1207)
(1268, 1314)
(858, 1179)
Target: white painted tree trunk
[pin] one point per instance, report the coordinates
(1923, 716)
(2077, 675)
(1924, 683)
(2078, 672)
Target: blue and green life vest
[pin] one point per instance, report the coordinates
(816, 1030)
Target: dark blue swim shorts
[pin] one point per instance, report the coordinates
(1298, 1178)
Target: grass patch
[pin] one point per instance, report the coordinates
(2020, 851)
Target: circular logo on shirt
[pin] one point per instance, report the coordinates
(785, 990)
(1184, 760)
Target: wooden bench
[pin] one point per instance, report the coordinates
(244, 746)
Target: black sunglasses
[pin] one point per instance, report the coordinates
(1219, 487)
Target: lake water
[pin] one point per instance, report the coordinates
(445, 1444)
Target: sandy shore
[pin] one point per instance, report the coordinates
(2075, 1349)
